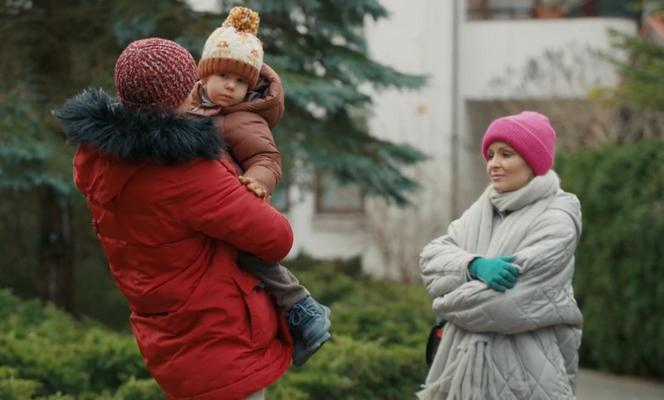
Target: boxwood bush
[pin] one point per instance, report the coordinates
(45, 353)
(379, 329)
(619, 279)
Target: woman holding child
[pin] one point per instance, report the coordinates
(172, 217)
(191, 244)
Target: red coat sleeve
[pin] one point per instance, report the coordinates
(219, 206)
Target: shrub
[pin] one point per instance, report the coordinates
(47, 354)
(366, 308)
(12, 388)
(379, 332)
(619, 279)
(379, 329)
(141, 389)
(350, 369)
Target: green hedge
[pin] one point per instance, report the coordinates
(379, 333)
(619, 279)
(379, 327)
(44, 353)
(379, 330)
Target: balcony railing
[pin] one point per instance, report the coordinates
(544, 9)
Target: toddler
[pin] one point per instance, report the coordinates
(246, 99)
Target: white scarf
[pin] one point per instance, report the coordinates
(477, 235)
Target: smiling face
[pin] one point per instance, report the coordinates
(507, 170)
(226, 89)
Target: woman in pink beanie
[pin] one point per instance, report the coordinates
(502, 277)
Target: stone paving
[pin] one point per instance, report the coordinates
(601, 386)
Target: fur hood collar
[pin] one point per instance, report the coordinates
(96, 119)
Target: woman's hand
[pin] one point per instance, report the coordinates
(497, 272)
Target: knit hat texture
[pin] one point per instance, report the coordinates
(234, 48)
(529, 133)
(152, 73)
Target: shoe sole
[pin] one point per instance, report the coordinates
(310, 351)
(318, 341)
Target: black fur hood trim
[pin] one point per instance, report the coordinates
(96, 119)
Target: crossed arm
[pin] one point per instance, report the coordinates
(542, 295)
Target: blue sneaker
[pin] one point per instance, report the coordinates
(301, 353)
(309, 321)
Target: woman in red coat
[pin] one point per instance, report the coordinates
(171, 217)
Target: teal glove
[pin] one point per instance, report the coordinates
(497, 272)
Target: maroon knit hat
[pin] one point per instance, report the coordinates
(529, 133)
(154, 73)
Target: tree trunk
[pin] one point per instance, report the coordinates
(56, 251)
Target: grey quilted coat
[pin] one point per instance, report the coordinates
(521, 344)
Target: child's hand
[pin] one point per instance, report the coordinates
(254, 186)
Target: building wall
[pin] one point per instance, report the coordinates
(527, 60)
(325, 235)
(493, 48)
(420, 38)
(463, 60)
(205, 5)
(414, 40)
(417, 38)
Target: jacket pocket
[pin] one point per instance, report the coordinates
(261, 310)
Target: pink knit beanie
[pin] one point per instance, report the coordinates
(529, 133)
(153, 73)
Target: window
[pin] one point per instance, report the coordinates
(543, 9)
(499, 9)
(334, 197)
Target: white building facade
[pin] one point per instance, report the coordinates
(476, 54)
(463, 57)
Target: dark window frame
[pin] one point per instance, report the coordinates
(321, 208)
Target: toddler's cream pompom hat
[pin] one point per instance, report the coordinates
(234, 48)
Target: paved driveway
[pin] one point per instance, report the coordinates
(600, 386)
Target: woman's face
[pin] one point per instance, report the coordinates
(507, 170)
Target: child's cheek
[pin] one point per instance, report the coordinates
(213, 90)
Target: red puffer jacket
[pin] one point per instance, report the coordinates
(171, 217)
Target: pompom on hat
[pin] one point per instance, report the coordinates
(234, 48)
(154, 73)
(529, 133)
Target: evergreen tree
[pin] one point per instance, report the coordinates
(318, 48)
(642, 73)
(52, 49)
